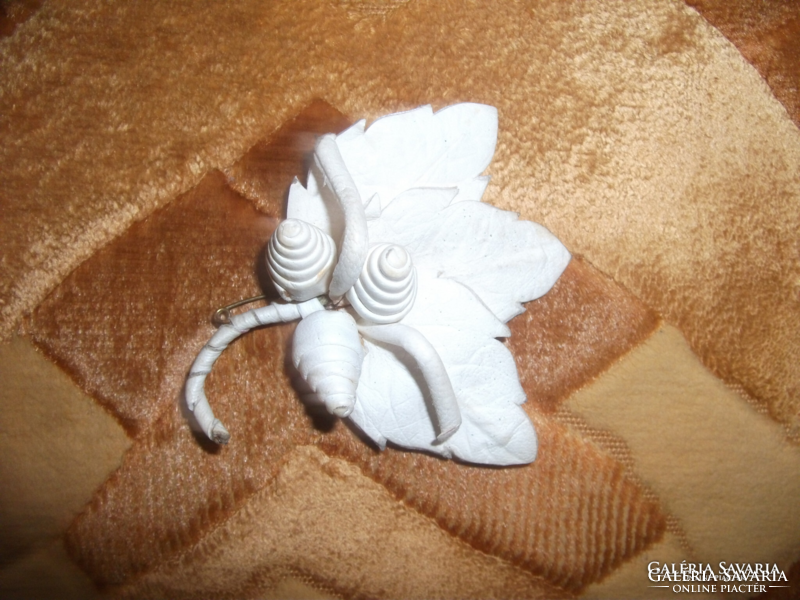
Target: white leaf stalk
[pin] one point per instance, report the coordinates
(445, 404)
(239, 325)
(425, 278)
(355, 241)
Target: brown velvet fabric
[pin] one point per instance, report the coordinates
(14, 12)
(767, 33)
(694, 442)
(362, 544)
(53, 455)
(630, 129)
(574, 332)
(106, 324)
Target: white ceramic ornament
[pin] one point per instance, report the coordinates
(403, 281)
(327, 352)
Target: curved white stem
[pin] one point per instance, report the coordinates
(355, 240)
(196, 398)
(430, 363)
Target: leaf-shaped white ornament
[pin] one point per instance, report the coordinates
(419, 173)
(418, 148)
(404, 194)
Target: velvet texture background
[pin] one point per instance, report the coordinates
(146, 156)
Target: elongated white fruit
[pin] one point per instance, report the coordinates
(445, 404)
(386, 289)
(196, 398)
(300, 259)
(355, 239)
(327, 352)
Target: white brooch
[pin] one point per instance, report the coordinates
(402, 297)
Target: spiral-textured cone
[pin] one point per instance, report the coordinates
(386, 289)
(327, 352)
(300, 258)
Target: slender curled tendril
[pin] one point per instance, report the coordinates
(239, 325)
(445, 405)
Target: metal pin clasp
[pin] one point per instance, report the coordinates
(222, 316)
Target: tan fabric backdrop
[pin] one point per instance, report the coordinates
(146, 154)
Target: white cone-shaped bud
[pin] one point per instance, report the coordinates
(327, 352)
(300, 259)
(387, 287)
